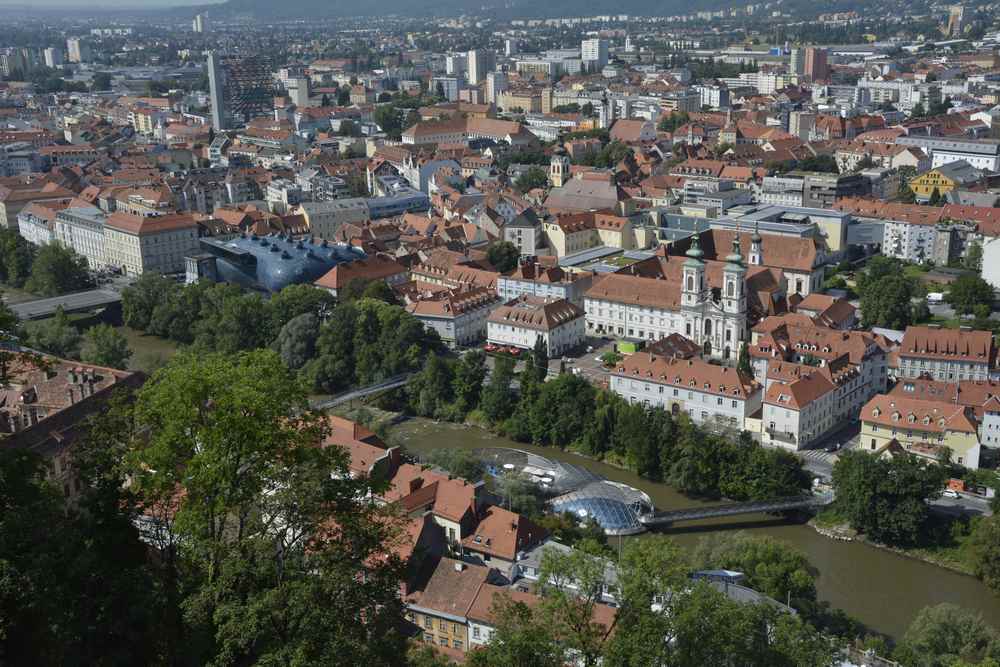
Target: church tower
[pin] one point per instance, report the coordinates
(734, 300)
(756, 252)
(559, 168)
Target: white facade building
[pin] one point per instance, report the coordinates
(158, 244)
(707, 393)
(82, 229)
(520, 322)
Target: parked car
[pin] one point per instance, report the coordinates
(834, 447)
(951, 493)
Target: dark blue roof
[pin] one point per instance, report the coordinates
(273, 262)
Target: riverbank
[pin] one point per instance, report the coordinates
(826, 523)
(881, 588)
(952, 557)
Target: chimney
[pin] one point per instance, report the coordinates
(459, 566)
(69, 391)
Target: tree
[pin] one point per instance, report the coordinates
(887, 304)
(231, 320)
(743, 365)
(104, 345)
(672, 121)
(534, 177)
(571, 585)
(985, 551)
(887, 499)
(57, 270)
(968, 293)
(100, 81)
(459, 462)
(343, 97)
(380, 291)
(521, 638)
(296, 300)
(296, 342)
(941, 635)
(141, 298)
(771, 567)
(387, 118)
(918, 111)
(935, 198)
(650, 574)
(497, 401)
(55, 335)
(16, 257)
(430, 392)
(105, 606)
(503, 255)
(470, 374)
(973, 259)
(284, 560)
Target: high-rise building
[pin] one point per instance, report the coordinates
(200, 23)
(956, 21)
(496, 83)
(801, 124)
(53, 57)
(796, 63)
(298, 90)
(481, 61)
(816, 67)
(78, 50)
(241, 88)
(594, 54)
(510, 47)
(455, 65)
(446, 86)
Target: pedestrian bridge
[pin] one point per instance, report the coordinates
(735, 509)
(363, 392)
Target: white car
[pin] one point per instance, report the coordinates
(950, 493)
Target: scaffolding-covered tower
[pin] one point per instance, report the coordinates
(242, 88)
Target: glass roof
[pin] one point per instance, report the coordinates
(616, 507)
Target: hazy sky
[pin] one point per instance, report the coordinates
(131, 4)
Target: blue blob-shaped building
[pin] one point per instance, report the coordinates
(271, 262)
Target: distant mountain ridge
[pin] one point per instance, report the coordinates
(506, 9)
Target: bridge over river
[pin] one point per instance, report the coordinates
(733, 509)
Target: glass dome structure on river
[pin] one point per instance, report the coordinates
(614, 506)
(586, 495)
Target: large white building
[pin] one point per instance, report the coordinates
(547, 283)
(522, 321)
(707, 301)
(594, 53)
(815, 378)
(979, 153)
(325, 218)
(707, 393)
(82, 229)
(481, 61)
(137, 244)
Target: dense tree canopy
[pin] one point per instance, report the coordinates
(887, 498)
(56, 270)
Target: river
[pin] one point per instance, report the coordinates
(882, 589)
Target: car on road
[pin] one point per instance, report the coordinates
(832, 448)
(951, 493)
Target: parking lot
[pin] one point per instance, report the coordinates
(587, 361)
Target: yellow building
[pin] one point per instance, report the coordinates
(944, 179)
(928, 429)
(440, 609)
